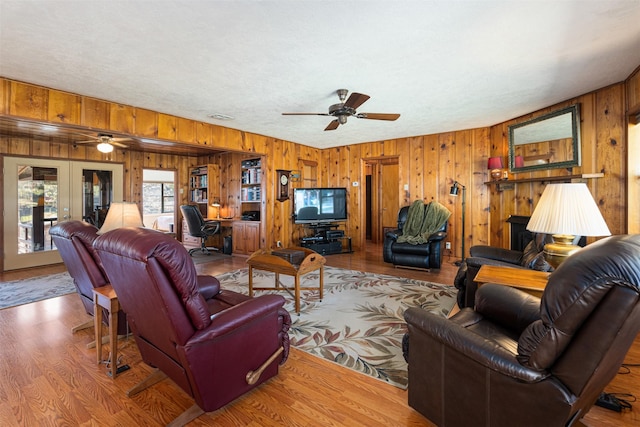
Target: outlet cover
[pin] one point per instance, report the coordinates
(447, 245)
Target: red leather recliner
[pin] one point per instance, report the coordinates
(74, 241)
(215, 344)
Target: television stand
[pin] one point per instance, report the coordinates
(326, 239)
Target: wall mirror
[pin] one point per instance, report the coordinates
(549, 141)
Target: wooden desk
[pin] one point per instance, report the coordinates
(530, 281)
(263, 260)
(105, 297)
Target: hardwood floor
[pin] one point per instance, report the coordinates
(49, 377)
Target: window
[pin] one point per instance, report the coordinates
(158, 197)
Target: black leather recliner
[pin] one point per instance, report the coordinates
(427, 255)
(518, 360)
(531, 258)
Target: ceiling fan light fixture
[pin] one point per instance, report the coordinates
(342, 119)
(105, 147)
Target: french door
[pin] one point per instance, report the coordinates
(38, 193)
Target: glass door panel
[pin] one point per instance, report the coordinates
(40, 192)
(36, 197)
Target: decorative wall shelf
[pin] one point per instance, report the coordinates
(509, 184)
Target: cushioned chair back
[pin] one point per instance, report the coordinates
(155, 281)
(194, 220)
(74, 241)
(589, 315)
(308, 212)
(402, 219)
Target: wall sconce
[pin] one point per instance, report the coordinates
(495, 165)
(121, 214)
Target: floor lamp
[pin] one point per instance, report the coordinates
(455, 188)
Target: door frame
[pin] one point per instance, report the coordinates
(70, 203)
(374, 164)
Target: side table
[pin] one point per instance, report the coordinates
(105, 297)
(530, 281)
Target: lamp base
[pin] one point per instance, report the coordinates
(496, 174)
(560, 249)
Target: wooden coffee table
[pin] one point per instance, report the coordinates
(530, 281)
(264, 260)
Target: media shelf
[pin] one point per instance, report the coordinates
(326, 239)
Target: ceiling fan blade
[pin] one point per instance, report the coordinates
(355, 100)
(305, 114)
(378, 116)
(84, 142)
(120, 139)
(117, 144)
(333, 125)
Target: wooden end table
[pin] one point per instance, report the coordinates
(530, 281)
(105, 297)
(264, 260)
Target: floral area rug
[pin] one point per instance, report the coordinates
(20, 292)
(359, 324)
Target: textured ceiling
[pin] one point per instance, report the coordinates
(443, 65)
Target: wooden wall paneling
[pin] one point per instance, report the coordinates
(146, 123)
(122, 118)
(185, 130)
(611, 152)
(231, 139)
(479, 200)
(40, 148)
(167, 127)
(203, 133)
(430, 169)
(354, 226)
(4, 95)
(443, 167)
(64, 107)
(28, 101)
(95, 113)
(412, 170)
(633, 92)
(462, 144)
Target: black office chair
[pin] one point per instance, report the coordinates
(199, 227)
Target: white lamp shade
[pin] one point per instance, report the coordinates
(121, 214)
(568, 209)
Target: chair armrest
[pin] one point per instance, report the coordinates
(208, 286)
(508, 307)
(210, 227)
(438, 236)
(499, 254)
(486, 352)
(235, 318)
(393, 234)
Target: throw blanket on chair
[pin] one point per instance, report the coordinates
(422, 221)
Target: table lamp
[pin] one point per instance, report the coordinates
(495, 165)
(566, 211)
(121, 214)
(217, 205)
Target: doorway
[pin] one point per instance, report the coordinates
(158, 199)
(38, 193)
(382, 181)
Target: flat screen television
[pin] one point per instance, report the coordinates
(319, 205)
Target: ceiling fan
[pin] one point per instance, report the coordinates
(346, 109)
(105, 142)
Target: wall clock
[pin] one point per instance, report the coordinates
(283, 185)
